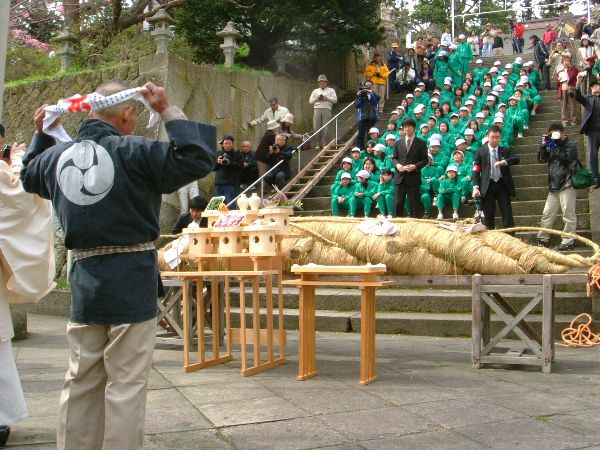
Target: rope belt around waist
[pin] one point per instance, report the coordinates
(77, 254)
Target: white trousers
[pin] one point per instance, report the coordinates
(185, 193)
(565, 200)
(12, 401)
(103, 402)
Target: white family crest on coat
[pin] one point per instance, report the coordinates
(85, 173)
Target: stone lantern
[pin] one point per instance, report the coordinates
(280, 56)
(162, 35)
(66, 41)
(229, 46)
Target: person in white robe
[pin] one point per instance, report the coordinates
(26, 273)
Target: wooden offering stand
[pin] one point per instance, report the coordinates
(221, 257)
(307, 283)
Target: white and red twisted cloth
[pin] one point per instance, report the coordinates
(91, 102)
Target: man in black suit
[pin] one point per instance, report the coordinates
(410, 156)
(197, 206)
(590, 124)
(492, 180)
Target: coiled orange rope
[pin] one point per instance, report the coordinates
(580, 335)
(594, 274)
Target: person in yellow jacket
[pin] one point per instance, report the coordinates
(378, 73)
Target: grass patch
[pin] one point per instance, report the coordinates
(542, 418)
(243, 68)
(62, 283)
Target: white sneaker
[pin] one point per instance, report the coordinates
(440, 216)
(455, 216)
(389, 217)
(526, 127)
(481, 214)
(520, 135)
(533, 113)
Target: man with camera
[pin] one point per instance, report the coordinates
(560, 153)
(378, 73)
(366, 102)
(228, 169)
(279, 152)
(323, 98)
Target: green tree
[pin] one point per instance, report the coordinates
(324, 27)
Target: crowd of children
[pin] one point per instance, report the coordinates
(453, 119)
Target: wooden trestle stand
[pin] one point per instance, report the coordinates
(248, 269)
(308, 282)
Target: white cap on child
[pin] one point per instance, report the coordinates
(374, 130)
(346, 175)
(363, 174)
(347, 160)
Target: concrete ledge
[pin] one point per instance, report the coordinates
(56, 303)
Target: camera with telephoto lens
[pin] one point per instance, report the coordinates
(363, 89)
(224, 160)
(6, 152)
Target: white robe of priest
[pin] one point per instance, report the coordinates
(26, 273)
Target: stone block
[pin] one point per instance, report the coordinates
(19, 321)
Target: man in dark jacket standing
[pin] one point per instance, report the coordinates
(560, 153)
(228, 168)
(106, 188)
(590, 124)
(540, 56)
(367, 103)
(492, 180)
(410, 156)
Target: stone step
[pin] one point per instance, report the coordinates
(529, 169)
(418, 300)
(541, 193)
(418, 324)
(531, 238)
(531, 158)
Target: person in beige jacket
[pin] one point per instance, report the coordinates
(26, 273)
(323, 98)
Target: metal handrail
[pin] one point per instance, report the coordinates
(387, 84)
(334, 118)
(260, 179)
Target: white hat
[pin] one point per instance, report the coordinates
(452, 168)
(518, 60)
(524, 79)
(390, 137)
(322, 78)
(479, 61)
(346, 175)
(287, 118)
(493, 69)
(401, 107)
(499, 113)
(487, 83)
(453, 115)
(480, 115)
(418, 89)
(469, 132)
(520, 84)
(585, 36)
(434, 100)
(355, 149)
(498, 120)
(347, 160)
(512, 97)
(453, 47)
(435, 137)
(423, 125)
(379, 148)
(434, 142)
(461, 36)
(497, 63)
(409, 96)
(448, 81)
(484, 140)
(468, 102)
(460, 142)
(363, 174)
(491, 97)
(421, 84)
(504, 72)
(272, 125)
(374, 130)
(473, 97)
(464, 108)
(508, 66)
(498, 88)
(528, 63)
(443, 53)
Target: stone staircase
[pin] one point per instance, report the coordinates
(445, 311)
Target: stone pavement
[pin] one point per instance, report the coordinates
(427, 396)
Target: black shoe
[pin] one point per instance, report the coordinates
(543, 243)
(426, 216)
(4, 434)
(564, 247)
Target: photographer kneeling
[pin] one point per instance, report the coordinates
(279, 151)
(560, 153)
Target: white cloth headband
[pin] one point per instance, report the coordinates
(91, 102)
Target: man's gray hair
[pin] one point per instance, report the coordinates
(113, 87)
